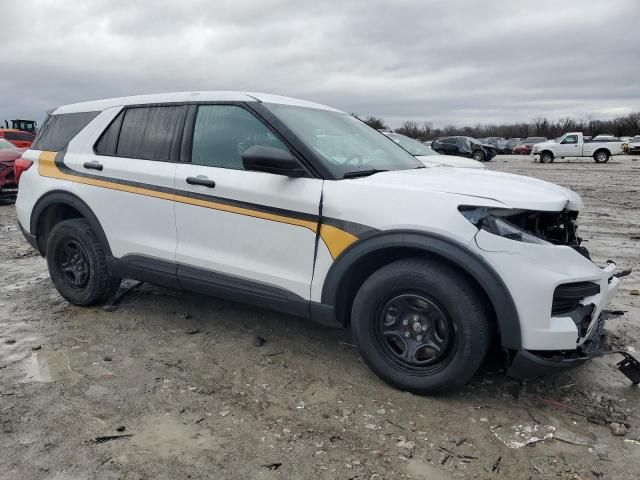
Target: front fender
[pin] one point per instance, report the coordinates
(430, 243)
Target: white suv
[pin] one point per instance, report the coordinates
(304, 209)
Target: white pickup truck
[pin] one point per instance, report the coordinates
(573, 144)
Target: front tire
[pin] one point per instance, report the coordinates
(479, 156)
(78, 265)
(546, 157)
(421, 326)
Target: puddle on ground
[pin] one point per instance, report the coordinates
(44, 366)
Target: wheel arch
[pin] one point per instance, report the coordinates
(371, 253)
(602, 149)
(58, 205)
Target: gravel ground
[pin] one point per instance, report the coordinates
(172, 385)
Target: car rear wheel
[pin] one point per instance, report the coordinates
(421, 326)
(601, 156)
(78, 265)
(478, 155)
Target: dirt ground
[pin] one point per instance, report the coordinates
(170, 385)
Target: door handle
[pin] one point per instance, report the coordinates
(202, 181)
(93, 166)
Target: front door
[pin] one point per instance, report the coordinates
(242, 231)
(569, 147)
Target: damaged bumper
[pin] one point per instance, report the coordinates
(533, 364)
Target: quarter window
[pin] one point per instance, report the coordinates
(58, 130)
(223, 132)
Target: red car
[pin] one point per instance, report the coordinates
(527, 144)
(8, 155)
(19, 138)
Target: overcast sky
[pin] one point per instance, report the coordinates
(448, 62)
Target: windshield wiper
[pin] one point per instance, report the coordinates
(363, 173)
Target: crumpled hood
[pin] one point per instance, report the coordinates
(449, 161)
(515, 191)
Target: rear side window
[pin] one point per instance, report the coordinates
(147, 133)
(150, 133)
(59, 130)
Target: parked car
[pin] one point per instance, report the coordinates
(430, 157)
(8, 155)
(498, 142)
(19, 138)
(605, 137)
(634, 145)
(510, 144)
(573, 145)
(525, 147)
(302, 208)
(465, 147)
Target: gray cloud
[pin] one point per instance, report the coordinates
(449, 62)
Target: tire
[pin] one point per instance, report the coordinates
(601, 156)
(546, 157)
(78, 265)
(443, 308)
(478, 155)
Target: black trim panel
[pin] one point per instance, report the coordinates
(216, 284)
(456, 253)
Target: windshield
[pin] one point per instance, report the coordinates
(343, 143)
(5, 145)
(414, 147)
(474, 141)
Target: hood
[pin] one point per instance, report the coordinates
(514, 191)
(548, 143)
(449, 161)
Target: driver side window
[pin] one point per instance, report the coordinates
(223, 132)
(570, 140)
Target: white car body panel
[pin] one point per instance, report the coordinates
(267, 251)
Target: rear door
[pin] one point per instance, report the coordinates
(242, 232)
(127, 177)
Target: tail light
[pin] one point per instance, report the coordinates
(20, 166)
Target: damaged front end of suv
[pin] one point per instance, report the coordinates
(563, 291)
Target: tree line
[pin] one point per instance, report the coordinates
(624, 126)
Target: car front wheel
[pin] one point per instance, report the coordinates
(478, 155)
(421, 326)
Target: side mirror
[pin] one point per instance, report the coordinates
(272, 160)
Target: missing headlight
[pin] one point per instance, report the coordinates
(531, 226)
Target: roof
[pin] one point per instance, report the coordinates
(180, 97)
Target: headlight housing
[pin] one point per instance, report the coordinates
(493, 221)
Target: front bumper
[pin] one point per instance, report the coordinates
(533, 364)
